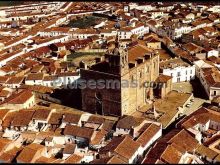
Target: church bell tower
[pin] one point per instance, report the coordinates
(118, 59)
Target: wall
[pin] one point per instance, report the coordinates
(183, 76)
(127, 99)
(154, 45)
(111, 97)
(29, 103)
(211, 92)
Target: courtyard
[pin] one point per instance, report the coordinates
(198, 92)
(85, 22)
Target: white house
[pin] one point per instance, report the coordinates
(138, 29)
(22, 100)
(156, 13)
(105, 33)
(212, 52)
(178, 69)
(129, 125)
(79, 135)
(121, 144)
(34, 79)
(153, 24)
(212, 88)
(50, 81)
(199, 65)
(82, 33)
(54, 31)
(149, 136)
(71, 119)
(69, 150)
(14, 82)
(40, 120)
(67, 78)
(205, 72)
(178, 31)
(9, 56)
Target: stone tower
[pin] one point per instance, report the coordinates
(118, 59)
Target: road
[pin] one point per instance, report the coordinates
(195, 105)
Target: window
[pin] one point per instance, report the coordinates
(214, 93)
(140, 73)
(178, 74)
(186, 72)
(154, 64)
(190, 71)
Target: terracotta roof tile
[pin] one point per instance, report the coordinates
(148, 134)
(55, 118)
(163, 78)
(127, 122)
(44, 159)
(79, 131)
(35, 76)
(71, 118)
(73, 159)
(108, 160)
(184, 141)
(19, 98)
(69, 149)
(22, 118)
(3, 113)
(171, 155)
(123, 146)
(137, 51)
(29, 152)
(41, 114)
(15, 80)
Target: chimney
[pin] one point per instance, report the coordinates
(132, 131)
(83, 65)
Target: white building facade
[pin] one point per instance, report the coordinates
(180, 73)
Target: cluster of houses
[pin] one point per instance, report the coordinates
(194, 140)
(161, 42)
(54, 136)
(34, 135)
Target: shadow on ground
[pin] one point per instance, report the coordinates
(69, 97)
(198, 89)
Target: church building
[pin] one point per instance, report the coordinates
(133, 68)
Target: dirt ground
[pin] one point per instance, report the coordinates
(85, 58)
